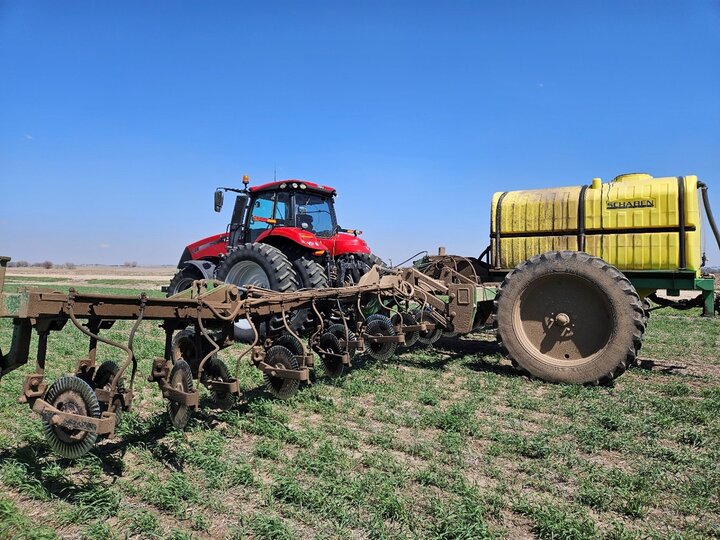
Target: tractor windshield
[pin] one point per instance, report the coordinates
(314, 213)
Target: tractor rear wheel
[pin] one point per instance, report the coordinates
(565, 316)
(263, 266)
(259, 265)
(310, 276)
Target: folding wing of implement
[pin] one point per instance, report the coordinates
(375, 317)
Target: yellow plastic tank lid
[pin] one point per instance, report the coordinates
(632, 177)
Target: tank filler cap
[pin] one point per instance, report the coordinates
(596, 183)
(633, 177)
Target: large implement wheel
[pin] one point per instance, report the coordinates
(565, 316)
(180, 379)
(282, 358)
(74, 396)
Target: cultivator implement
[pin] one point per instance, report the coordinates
(374, 317)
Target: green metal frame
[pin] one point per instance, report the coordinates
(675, 282)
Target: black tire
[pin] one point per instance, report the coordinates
(184, 346)
(281, 357)
(260, 265)
(338, 330)
(310, 276)
(569, 317)
(180, 378)
(331, 344)
(216, 370)
(380, 325)
(290, 342)
(183, 279)
(363, 263)
(103, 379)
(72, 395)
(263, 266)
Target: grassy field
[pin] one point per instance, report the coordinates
(445, 443)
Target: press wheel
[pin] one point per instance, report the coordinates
(280, 357)
(180, 379)
(75, 396)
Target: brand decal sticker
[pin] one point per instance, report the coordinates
(621, 205)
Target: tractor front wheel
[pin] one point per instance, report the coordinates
(569, 317)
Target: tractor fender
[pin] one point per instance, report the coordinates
(305, 239)
(206, 268)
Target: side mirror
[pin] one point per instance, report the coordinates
(219, 198)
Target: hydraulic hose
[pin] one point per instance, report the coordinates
(708, 211)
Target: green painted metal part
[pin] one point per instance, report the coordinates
(674, 282)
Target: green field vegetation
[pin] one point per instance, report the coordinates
(447, 443)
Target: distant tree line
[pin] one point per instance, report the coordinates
(44, 264)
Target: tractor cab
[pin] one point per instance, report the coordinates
(289, 210)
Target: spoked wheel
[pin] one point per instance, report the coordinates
(407, 319)
(75, 396)
(215, 370)
(331, 344)
(103, 379)
(380, 325)
(428, 337)
(180, 379)
(338, 330)
(569, 317)
(280, 357)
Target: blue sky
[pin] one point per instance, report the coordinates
(118, 120)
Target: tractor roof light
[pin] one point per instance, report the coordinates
(283, 186)
(303, 186)
(246, 180)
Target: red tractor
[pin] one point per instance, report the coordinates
(282, 236)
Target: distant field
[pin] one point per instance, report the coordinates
(446, 443)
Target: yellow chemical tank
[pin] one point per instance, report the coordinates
(635, 222)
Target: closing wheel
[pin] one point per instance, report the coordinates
(407, 319)
(331, 344)
(103, 379)
(380, 325)
(184, 346)
(282, 358)
(75, 396)
(428, 337)
(566, 316)
(338, 330)
(180, 379)
(215, 370)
